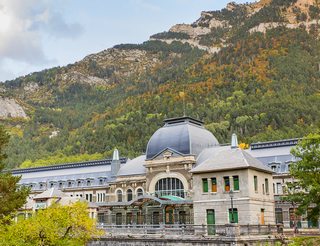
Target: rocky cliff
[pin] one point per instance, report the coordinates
(9, 108)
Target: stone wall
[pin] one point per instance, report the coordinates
(247, 202)
(122, 241)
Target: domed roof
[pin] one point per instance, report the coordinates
(184, 135)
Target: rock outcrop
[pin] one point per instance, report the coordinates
(9, 108)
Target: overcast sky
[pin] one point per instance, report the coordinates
(38, 34)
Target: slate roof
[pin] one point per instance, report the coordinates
(226, 158)
(83, 176)
(67, 166)
(133, 167)
(185, 135)
(50, 193)
(275, 152)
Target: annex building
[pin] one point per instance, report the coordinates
(185, 177)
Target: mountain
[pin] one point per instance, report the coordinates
(253, 69)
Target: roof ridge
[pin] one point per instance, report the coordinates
(244, 157)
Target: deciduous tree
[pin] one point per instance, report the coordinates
(56, 225)
(305, 191)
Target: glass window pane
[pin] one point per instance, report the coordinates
(255, 178)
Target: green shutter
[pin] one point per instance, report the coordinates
(211, 221)
(235, 215)
(205, 185)
(235, 182)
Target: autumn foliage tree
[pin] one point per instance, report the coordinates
(57, 225)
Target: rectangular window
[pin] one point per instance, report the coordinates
(205, 185)
(226, 183)
(279, 189)
(263, 191)
(255, 179)
(262, 216)
(233, 215)
(274, 188)
(235, 182)
(266, 181)
(279, 215)
(214, 184)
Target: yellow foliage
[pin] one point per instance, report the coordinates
(56, 225)
(182, 94)
(244, 146)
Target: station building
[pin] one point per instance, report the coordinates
(185, 177)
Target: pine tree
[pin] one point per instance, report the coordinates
(12, 196)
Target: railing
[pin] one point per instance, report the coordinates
(187, 229)
(258, 229)
(179, 193)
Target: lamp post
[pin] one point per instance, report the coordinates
(231, 197)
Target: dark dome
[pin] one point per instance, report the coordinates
(185, 135)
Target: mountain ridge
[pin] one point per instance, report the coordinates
(262, 83)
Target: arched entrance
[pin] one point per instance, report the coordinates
(169, 187)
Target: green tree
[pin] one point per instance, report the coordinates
(305, 191)
(12, 196)
(56, 225)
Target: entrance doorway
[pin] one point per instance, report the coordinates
(155, 218)
(169, 215)
(211, 221)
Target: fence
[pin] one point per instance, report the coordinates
(187, 229)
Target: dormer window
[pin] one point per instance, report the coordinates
(274, 168)
(69, 184)
(289, 167)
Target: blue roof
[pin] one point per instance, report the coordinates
(66, 166)
(185, 135)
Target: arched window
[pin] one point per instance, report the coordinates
(169, 187)
(129, 195)
(119, 196)
(139, 192)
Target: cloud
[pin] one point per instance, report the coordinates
(25, 24)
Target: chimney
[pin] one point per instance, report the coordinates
(115, 163)
(234, 141)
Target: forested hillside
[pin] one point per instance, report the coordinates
(252, 69)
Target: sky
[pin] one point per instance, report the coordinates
(39, 34)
